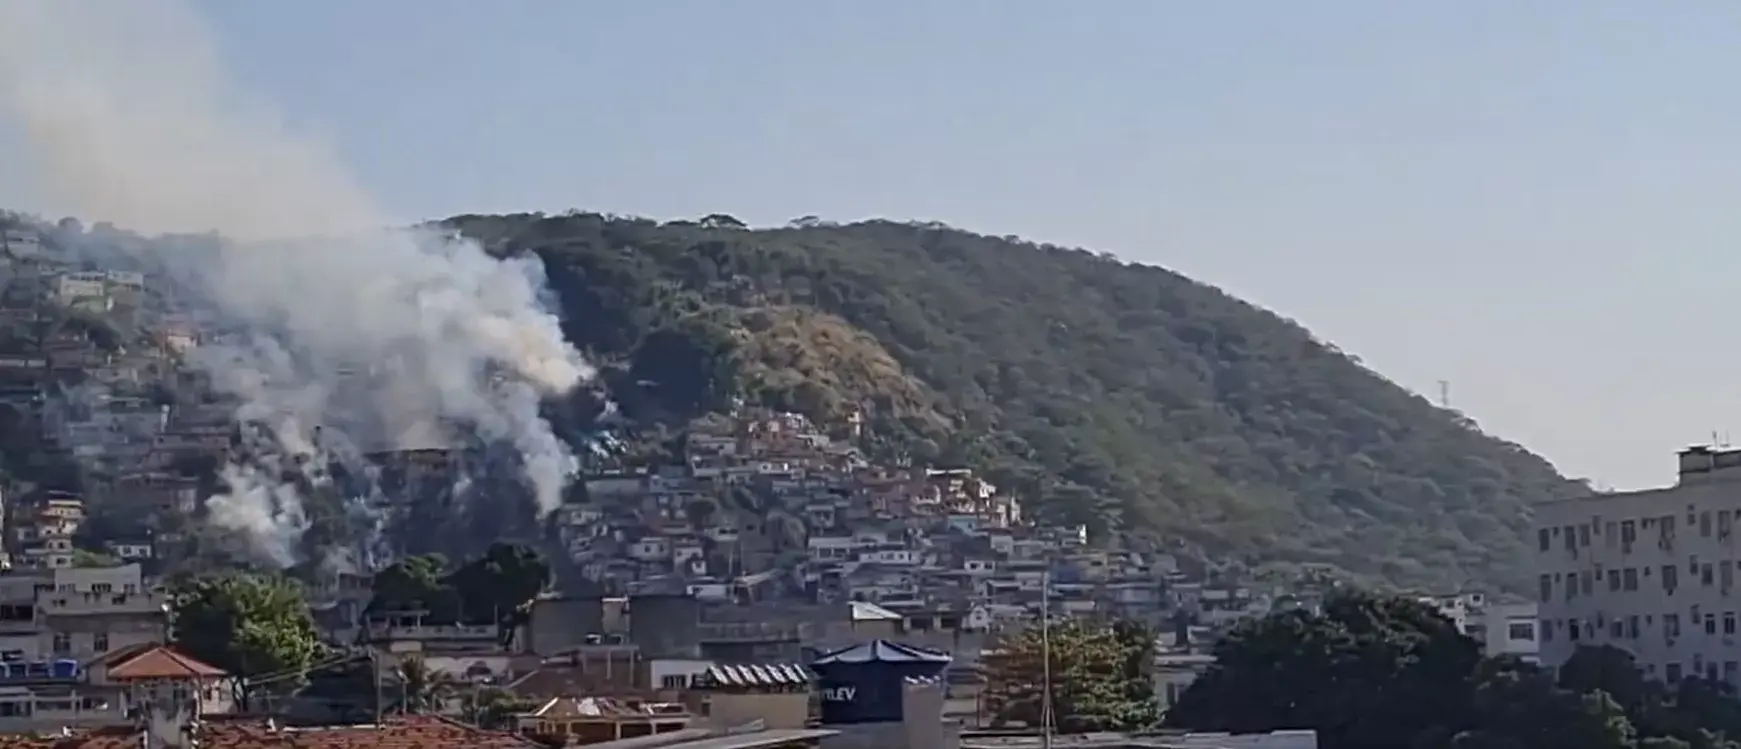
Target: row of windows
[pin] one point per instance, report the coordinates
(1631, 627)
(1625, 532)
(1626, 579)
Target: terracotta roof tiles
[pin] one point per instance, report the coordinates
(160, 662)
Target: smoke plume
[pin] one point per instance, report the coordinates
(335, 333)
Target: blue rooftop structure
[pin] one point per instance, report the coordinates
(865, 683)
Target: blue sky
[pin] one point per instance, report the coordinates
(1528, 199)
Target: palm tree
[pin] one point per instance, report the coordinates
(421, 688)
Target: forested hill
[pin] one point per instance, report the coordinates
(1110, 393)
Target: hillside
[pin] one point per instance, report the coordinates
(1124, 396)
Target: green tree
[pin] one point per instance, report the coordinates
(251, 625)
(691, 361)
(422, 689)
(498, 586)
(1099, 677)
(416, 583)
(1372, 671)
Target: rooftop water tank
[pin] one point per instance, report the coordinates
(865, 683)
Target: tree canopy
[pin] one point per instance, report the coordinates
(493, 588)
(1120, 395)
(1370, 672)
(251, 625)
(1100, 677)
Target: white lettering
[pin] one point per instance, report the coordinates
(839, 694)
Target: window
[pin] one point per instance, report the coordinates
(1670, 578)
(1631, 577)
(1584, 535)
(100, 642)
(1705, 575)
(1613, 581)
(1617, 629)
(1672, 672)
(101, 587)
(1572, 630)
(1710, 624)
(1541, 537)
(674, 681)
(1628, 532)
(63, 643)
(1524, 631)
(1547, 585)
(1705, 524)
(1728, 622)
(1671, 625)
(1547, 628)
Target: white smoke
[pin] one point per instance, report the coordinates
(340, 332)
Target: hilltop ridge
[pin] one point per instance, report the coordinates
(1121, 396)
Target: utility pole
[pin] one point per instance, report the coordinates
(1046, 718)
(375, 668)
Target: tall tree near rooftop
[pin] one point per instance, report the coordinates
(1100, 677)
(252, 625)
(421, 689)
(415, 583)
(1369, 672)
(497, 586)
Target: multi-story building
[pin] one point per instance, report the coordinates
(43, 528)
(1501, 628)
(1652, 572)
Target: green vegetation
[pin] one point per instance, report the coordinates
(1125, 397)
(492, 589)
(1376, 673)
(1100, 677)
(253, 625)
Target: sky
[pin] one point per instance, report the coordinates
(1528, 200)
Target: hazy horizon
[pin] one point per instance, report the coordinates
(1522, 199)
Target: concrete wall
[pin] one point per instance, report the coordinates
(665, 626)
(557, 624)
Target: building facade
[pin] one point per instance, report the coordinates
(1652, 572)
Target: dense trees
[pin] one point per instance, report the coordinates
(1099, 674)
(1371, 672)
(494, 588)
(251, 625)
(1122, 396)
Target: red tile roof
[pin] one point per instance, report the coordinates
(409, 732)
(158, 662)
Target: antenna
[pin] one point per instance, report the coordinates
(1444, 393)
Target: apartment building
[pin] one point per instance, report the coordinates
(1502, 628)
(1652, 572)
(43, 528)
